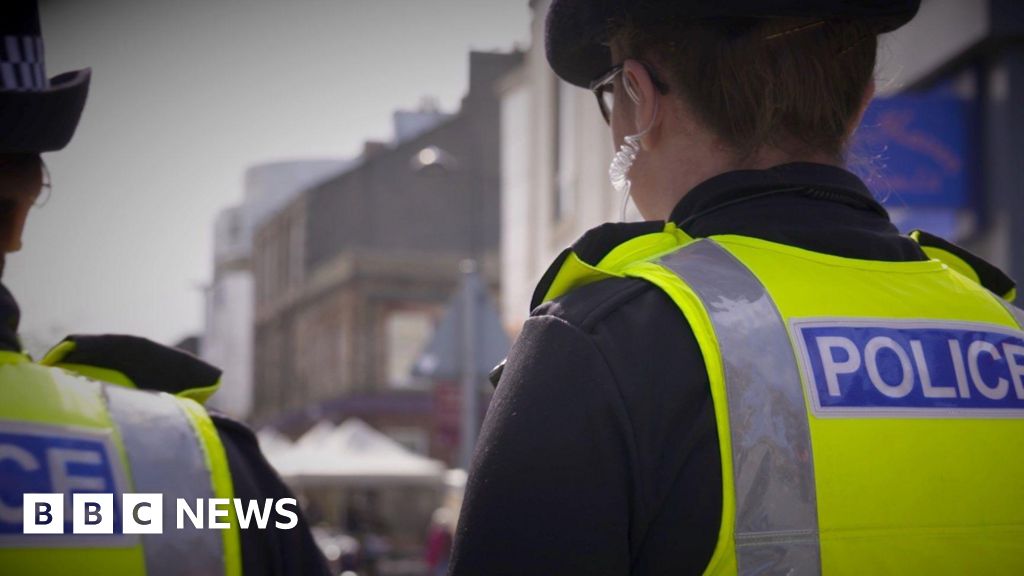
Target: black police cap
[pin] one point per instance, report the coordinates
(37, 113)
(576, 31)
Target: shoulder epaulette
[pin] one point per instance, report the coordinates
(591, 248)
(967, 263)
(136, 363)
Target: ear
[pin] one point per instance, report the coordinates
(639, 88)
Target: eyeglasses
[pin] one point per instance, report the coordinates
(25, 163)
(46, 188)
(604, 89)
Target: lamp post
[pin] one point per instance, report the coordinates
(437, 161)
(470, 393)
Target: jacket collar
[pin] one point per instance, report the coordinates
(804, 178)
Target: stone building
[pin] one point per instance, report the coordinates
(227, 336)
(353, 274)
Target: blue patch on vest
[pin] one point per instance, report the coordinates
(38, 458)
(911, 368)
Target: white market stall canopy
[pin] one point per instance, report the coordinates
(273, 443)
(351, 453)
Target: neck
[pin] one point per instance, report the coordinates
(683, 170)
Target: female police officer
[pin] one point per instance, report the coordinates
(766, 377)
(61, 433)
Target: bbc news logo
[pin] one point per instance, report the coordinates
(57, 479)
(43, 513)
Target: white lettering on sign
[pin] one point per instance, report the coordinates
(913, 367)
(827, 345)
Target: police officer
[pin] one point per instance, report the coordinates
(765, 377)
(136, 424)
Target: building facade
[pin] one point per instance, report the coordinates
(354, 273)
(227, 338)
(555, 152)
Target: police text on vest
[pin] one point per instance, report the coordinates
(911, 368)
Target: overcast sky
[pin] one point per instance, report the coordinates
(185, 95)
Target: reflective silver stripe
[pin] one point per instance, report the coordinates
(773, 474)
(1017, 313)
(165, 457)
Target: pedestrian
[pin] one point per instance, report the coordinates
(110, 414)
(439, 542)
(765, 377)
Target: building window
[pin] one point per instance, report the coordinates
(518, 223)
(295, 250)
(281, 247)
(234, 228)
(564, 150)
(406, 333)
(341, 368)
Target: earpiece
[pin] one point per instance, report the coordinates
(618, 170)
(630, 89)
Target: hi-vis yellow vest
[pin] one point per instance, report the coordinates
(63, 433)
(870, 414)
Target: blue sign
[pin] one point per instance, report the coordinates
(915, 150)
(37, 458)
(911, 368)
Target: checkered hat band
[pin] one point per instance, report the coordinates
(21, 64)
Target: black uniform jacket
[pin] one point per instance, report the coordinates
(150, 366)
(599, 454)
